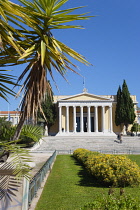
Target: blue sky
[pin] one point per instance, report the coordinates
(110, 41)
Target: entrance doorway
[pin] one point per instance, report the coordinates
(85, 124)
(77, 124)
(92, 124)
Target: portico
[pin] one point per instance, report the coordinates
(92, 116)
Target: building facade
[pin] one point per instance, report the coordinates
(12, 116)
(86, 114)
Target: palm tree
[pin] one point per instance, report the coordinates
(33, 43)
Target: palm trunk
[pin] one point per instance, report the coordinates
(19, 128)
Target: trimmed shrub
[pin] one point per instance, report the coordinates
(110, 170)
(82, 154)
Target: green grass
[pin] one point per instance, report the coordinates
(135, 158)
(69, 187)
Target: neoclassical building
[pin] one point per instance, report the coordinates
(86, 114)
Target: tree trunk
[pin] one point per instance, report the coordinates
(126, 127)
(19, 128)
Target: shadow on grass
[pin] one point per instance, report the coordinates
(85, 178)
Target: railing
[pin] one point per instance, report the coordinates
(35, 182)
(106, 151)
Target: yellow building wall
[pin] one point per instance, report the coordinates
(106, 118)
(64, 118)
(71, 118)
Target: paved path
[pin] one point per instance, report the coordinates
(104, 144)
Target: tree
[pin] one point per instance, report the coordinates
(125, 113)
(5, 127)
(135, 128)
(49, 111)
(118, 107)
(34, 44)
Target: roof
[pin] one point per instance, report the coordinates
(9, 112)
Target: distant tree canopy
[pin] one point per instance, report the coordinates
(5, 128)
(49, 111)
(125, 113)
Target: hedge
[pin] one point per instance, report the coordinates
(110, 170)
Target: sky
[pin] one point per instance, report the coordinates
(110, 41)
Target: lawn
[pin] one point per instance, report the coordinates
(69, 187)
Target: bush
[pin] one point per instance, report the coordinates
(81, 154)
(110, 170)
(115, 203)
(6, 129)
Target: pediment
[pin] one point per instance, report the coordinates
(86, 97)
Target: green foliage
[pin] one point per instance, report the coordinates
(49, 110)
(30, 133)
(82, 154)
(118, 120)
(128, 114)
(5, 80)
(111, 170)
(6, 129)
(18, 158)
(125, 113)
(115, 203)
(135, 127)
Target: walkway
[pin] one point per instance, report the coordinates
(103, 144)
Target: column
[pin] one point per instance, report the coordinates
(96, 119)
(103, 118)
(81, 118)
(67, 119)
(89, 120)
(74, 119)
(60, 119)
(110, 108)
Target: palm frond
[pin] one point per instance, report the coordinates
(6, 79)
(32, 131)
(8, 183)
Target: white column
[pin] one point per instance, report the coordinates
(67, 118)
(96, 119)
(74, 119)
(60, 119)
(81, 119)
(110, 108)
(89, 120)
(103, 118)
